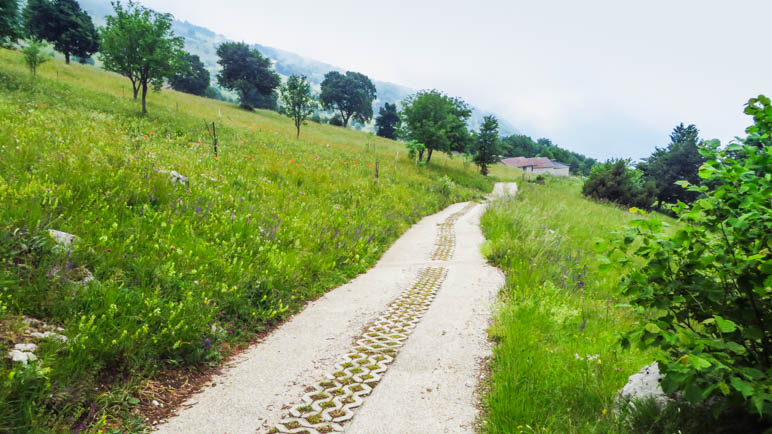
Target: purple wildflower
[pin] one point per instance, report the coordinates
(207, 343)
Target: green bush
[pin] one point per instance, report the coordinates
(615, 182)
(706, 290)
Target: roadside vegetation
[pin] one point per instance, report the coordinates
(595, 292)
(557, 364)
(182, 267)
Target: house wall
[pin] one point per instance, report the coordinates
(561, 171)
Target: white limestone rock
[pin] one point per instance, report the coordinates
(63, 239)
(23, 353)
(645, 384)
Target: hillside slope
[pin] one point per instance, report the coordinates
(181, 270)
(203, 42)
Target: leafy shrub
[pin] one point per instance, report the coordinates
(706, 290)
(414, 148)
(614, 181)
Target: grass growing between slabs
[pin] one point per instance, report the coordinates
(556, 366)
(180, 270)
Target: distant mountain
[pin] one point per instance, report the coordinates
(203, 42)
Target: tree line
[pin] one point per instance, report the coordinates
(651, 183)
(139, 44)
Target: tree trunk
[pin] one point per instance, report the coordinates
(135, 88)
(345, 119)
(484, 169)
(420, 156)
(67, 58)
(429, 155)
(297, 125)
(144, 96)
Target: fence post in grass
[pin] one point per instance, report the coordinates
(213, 135)
(377, 166)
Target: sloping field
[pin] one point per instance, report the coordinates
(181, 270)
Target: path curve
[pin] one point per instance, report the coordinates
(416, 321)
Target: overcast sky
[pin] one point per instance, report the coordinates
(608, 78)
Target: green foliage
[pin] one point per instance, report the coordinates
(681, 160)
(64, 24)
(10, 26)
(352, 95)
(616, 182)
(273, 222)
(298, 102)
(486, 150)
(387, 122)
(194, 79)
(336, 120)
(555, 367)
(436, 120)
(139, 44)
(34, 56)
(519, 145)
(414, 149)
(246, 71)
(706, 289)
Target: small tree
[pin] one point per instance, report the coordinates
(245, 70)
(10, 26)
(387, 121)
(194, 78)
(486, 150)
(34, 56)
(139, 43)
(64, 24)
(436, 120)
(352, 95)
(298, 103)
(616, 182)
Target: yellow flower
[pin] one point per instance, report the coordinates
(604, 411)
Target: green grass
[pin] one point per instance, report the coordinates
(542, 379)
(181, 270)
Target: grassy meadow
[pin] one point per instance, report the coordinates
(180, 269)
(557, 365)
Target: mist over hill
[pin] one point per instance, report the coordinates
(203, 42)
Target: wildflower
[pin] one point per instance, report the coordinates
(207, 343)
(578, 357)
(604, 411)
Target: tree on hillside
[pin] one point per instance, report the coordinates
(387, 122)
(681, 160)
(245, 70)
(436, 120)
(139, 43)
(64, 24)
(10, 25)
(352, 95)
(193, 79)
(298, 103)
(258, 100)
(34, 56)
(486, 149)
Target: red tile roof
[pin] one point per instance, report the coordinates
(536, 162)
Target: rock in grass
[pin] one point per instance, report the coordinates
(63, 239)
(23, 353)
(175, 177)
(643, 385)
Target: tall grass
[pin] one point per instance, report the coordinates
(556, 365)
(180, 268)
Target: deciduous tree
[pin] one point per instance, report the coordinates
(436, 120)
(387, 122)
(34, 56)
(64, 24)
(194, 78)
(139, 43)
(245, 70)
(298, 103)
(351, 94)
(487, 149)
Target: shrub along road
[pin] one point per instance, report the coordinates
(427, 352)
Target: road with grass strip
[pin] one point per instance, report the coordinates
(398, 349)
